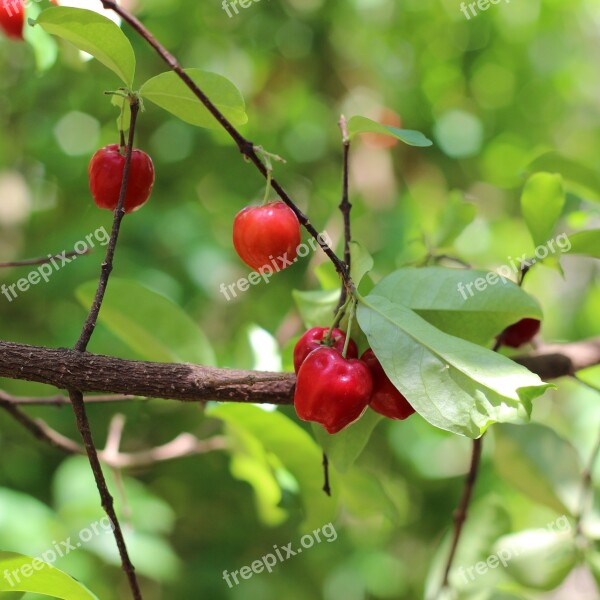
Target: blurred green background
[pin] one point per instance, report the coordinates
(494, 93)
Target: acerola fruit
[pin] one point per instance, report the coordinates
(332, 390)
(520, 333)
(267, 237)
(106, 174)
(386, 399)
(12, 18)
(313, 339)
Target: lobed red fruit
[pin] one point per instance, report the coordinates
(12, 18)
(386, 399)
(520, 333)
(313, 339)
(267, 237)
(106, 174)
(332, 390)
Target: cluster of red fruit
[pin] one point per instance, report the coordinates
(334, 390)
(12, 17)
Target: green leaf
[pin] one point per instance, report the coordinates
(580, 178)
(542, 202)
(361, 262)
(345, 447)
(44, 47)
(449, 300)
(363, 125)
(170, 93)
(454, 217)
(294, 448)
(586, 243)
(316, 307)
(454, 384)
(149, 323)
(37, 576)
(540, 464)
(93, 33)
(537, 558)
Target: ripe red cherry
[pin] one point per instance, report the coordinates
(313, 339)
(267, 236)
(332, 390)
(520, 333)
(12, 18)
(386, 399)
(106, 173)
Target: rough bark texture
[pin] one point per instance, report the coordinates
(87, 372)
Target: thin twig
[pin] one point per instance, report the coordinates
(183, 445)
(345, 206)
(43, 260)
(60, 400)
(83, 423)
(461, 513)
(246, 147)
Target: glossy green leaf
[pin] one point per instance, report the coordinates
(345, 447)
(363, 125)
(454, 384)
(149, 323)
(473, 305)
(39, 577)
(538, 559)
(169, 92)
(540, 464)
(293, 447)
(542, 202)
(586, 243)
(93, 33)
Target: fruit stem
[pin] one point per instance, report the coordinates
(336, 321)
(349, 330)
(268, 187)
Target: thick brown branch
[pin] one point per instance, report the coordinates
(87, 372)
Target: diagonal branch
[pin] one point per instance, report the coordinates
(246, 147)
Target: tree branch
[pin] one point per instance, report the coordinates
(63, 368)
(75, 393)
(42, 260)
(246, 147)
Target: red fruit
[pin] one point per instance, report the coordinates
(520, 333)
(267, 237)
(313, 339)
(332, 390)
(12, 18)
(386, 399)
(106, 173)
